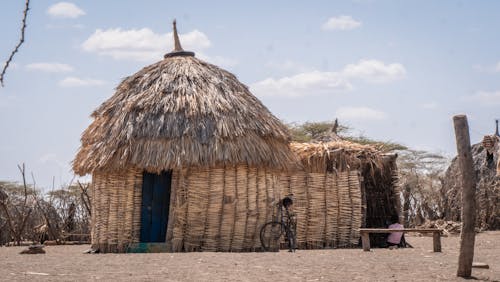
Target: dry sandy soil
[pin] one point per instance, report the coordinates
(68, 263)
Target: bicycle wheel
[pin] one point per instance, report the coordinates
(270, 235)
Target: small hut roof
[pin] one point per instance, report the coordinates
(337, 155)
(182, 112)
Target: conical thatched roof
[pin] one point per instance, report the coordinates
(182, 112)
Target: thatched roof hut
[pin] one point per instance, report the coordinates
(183, 154)
(341, 187)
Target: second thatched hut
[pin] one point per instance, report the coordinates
(340, 187)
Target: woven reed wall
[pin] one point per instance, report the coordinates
(116, 204)
(222, 209)
(328, 207)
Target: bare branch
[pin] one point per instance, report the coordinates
(34, 181)
(22, 170)
(21, 40)
(85, 197)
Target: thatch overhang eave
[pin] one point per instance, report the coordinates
(163, 154)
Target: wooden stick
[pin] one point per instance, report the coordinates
(171, 213)
(467, 236)
(436, 241)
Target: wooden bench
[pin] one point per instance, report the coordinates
(365, 235)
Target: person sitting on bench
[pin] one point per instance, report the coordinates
(394, 238)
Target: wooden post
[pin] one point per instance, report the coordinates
(172, 216)
(436, 241)
(467, 236)
(365, 241)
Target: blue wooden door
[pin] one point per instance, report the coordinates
(155, 206)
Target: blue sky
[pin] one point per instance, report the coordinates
(393, 70)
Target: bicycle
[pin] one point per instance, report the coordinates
(283, 224)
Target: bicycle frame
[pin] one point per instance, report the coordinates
(287, 221)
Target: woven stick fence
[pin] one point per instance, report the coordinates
(327, 207)
(222, 209)
(116, 210)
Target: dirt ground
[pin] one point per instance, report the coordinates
(68, 263)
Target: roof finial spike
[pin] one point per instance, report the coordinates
(177, 43)
(178, 51)
(496, 130)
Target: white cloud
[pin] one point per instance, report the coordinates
(487, 69)
(360, 113)
(341, 23)
(80, 82)
(485, 98)
(140, 44)
(65, 10)
(50, 67)
(375, 71)
(315, 82)
(497, 67)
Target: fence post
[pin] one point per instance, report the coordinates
(467, 236)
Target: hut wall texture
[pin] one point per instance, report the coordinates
(222, 209)
(116, 209)
(328, 207)
(214, 209)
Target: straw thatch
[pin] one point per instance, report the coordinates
(337, 155)
(182, 112)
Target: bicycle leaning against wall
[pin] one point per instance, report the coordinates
(284, 224)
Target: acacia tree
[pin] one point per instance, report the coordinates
(421, 178)
(27, 214)
(73, 206)
(308, 131)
